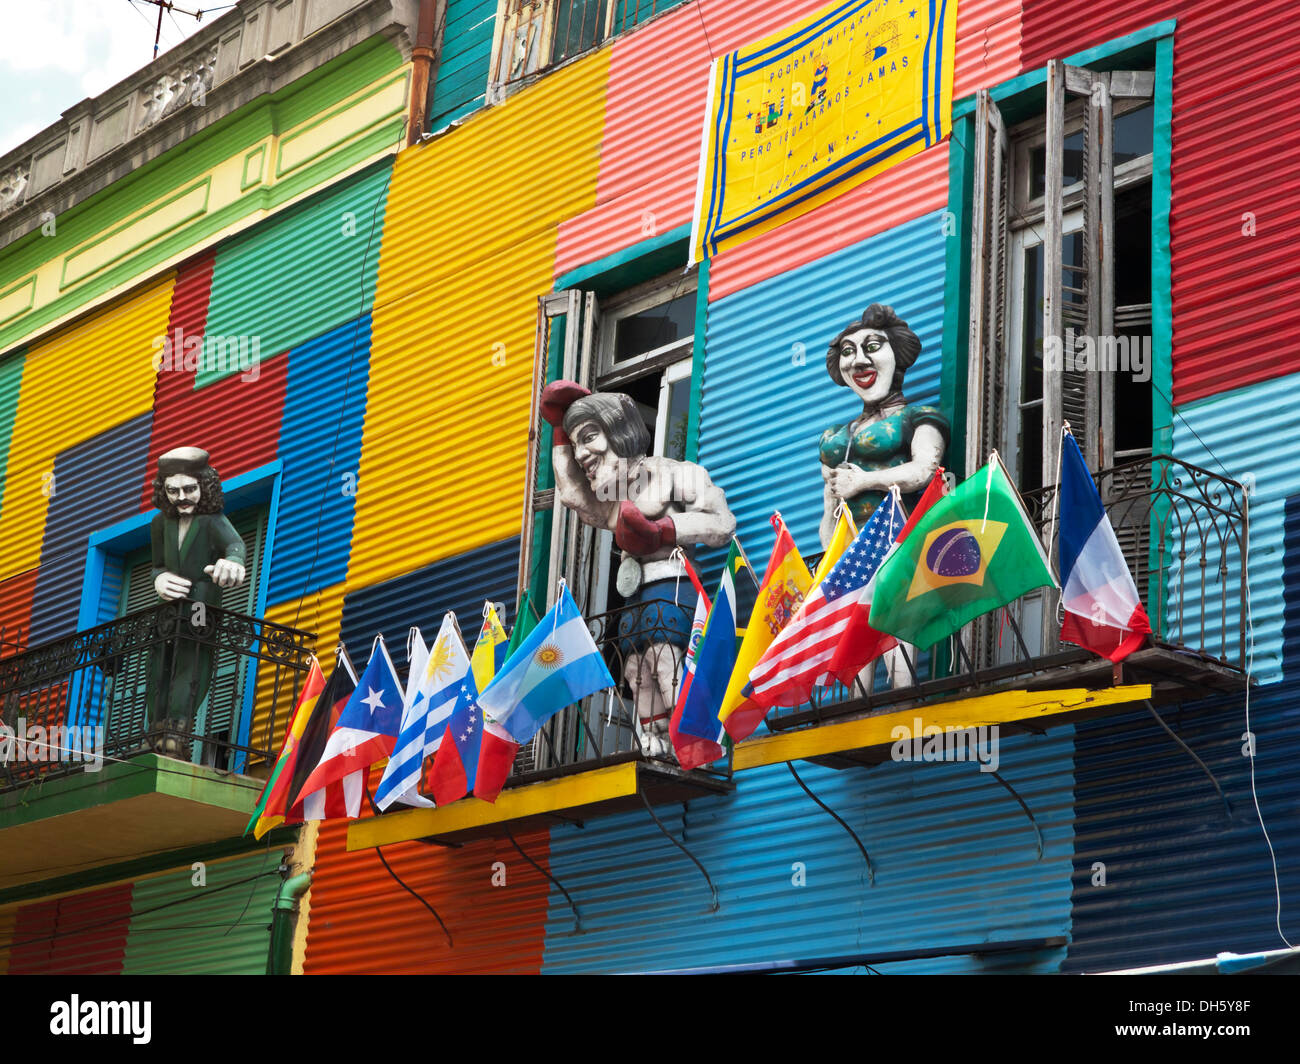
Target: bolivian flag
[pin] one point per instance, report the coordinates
(270, 810)
(974, 551)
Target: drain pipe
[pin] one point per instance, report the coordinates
(424, 66)
(279, 959)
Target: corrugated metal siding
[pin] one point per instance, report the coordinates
(11, 378)
(211, 932)
(1236, 435)
(1236, 149)
(750, 373)
(1183, 881)
(955, 863)
(362, 922)
(46, 940)
(96, 484)
(16, 595)
(459, 584)
(108, 354)
(320, 446)
(318, 613)
(988, 44)
(464, 61)
(654, 109)
(470, 233)
(303, 271)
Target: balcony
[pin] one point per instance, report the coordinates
(1183, 531)
(589, 760)
(140, 735)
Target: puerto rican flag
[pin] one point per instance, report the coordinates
(1102, 610)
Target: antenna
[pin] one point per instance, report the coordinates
(166, 5)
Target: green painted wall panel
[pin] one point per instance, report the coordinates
(211, 931)
(310, 96)
(464, 61)
(11, 379)
(301, 273)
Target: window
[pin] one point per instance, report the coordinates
(1061, 248)
(1061, 293)
(537, 34)
(639, 342)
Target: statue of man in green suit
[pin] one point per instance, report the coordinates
(196, 553)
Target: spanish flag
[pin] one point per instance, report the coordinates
(785, 583)
(271, 808)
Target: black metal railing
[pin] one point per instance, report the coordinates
(644, 647)
(1183, 531)
(182, 679)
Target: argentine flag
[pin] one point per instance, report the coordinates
(557, 665)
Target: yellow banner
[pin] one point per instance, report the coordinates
(801, 116)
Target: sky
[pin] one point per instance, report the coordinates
(55, 53)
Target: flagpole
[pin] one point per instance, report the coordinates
(745, 558)
(1056, 500)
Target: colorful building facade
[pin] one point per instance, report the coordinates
(378, 450)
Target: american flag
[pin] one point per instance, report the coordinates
(800, 657)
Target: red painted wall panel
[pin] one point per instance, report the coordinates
(1236, 152)
(236, 421)
(361, 921)
(47, 941)
(16, 610)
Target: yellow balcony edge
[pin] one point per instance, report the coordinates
(1004, 707)
(585, 788)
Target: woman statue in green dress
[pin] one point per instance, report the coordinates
(892, 441)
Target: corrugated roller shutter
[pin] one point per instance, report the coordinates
(766, 365)
(96, 485)
(955, 859)
(222, 928)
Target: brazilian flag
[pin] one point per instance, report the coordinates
(973, 551)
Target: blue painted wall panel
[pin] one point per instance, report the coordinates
(320, 446)
(96, 483)
(1237, 435)
(459, 584)
(955, 858)
(767, 397)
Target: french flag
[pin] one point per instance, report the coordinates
(1102, 610)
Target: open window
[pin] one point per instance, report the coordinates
(1061, 287)
(534, 35)
(639, 342)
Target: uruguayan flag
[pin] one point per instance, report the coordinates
(557, 665)
(430, 700)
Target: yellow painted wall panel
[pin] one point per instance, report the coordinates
(469, 244)
(84, 379)
(320, 612)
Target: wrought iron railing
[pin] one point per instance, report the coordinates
(1183, 531)
(188, 680)
(644, 647)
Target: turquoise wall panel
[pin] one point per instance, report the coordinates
(308, 269)
(767, 397)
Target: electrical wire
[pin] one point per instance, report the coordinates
(198, 895)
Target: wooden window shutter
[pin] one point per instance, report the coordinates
(986, 381)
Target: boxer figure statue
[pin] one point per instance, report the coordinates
(653, 505)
